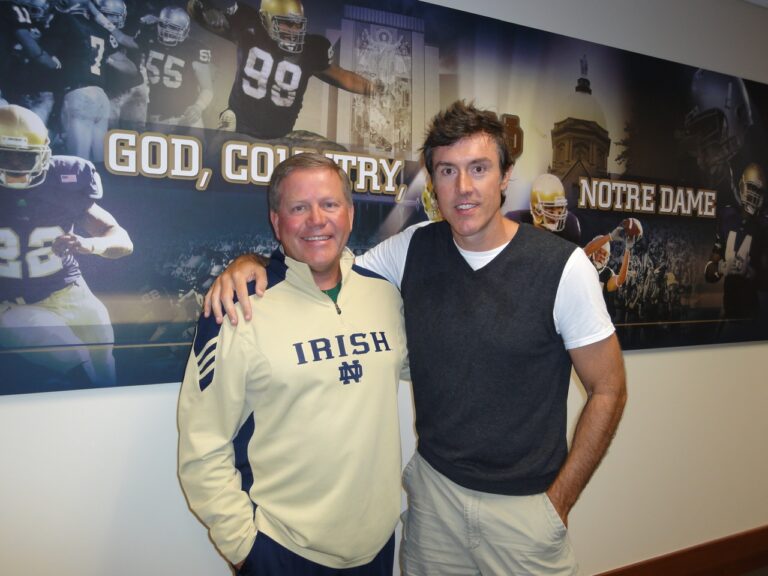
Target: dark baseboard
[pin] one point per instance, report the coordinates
(730, 556)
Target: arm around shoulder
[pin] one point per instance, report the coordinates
(234, 281)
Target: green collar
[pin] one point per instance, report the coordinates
(333, 293)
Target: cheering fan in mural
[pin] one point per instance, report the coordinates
(740, 252)
(178, 69)
(275, 60)
(49, 217)
(549, 209)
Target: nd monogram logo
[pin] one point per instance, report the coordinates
(348, 372)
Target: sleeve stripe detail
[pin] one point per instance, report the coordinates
(208, 350)
(206, 381)
(208, 366)
(205, 364)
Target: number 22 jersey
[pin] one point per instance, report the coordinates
(31, 219)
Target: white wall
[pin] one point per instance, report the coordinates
(87, 478)
(688, 464)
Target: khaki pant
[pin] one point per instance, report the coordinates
(449, 530)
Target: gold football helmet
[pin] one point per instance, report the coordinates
(549, 206)
(752, 189)
(285, 23)
(25, 151)
(429, 202)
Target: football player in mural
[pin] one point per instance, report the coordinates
(599, 252)
(49, 218)
(126, 91)
(88, 52)
(275, 59)
(549, 209)
(740, 252)
(112, 15)
(716, 126)
(26, 64)
(428, 202)
(178, 69)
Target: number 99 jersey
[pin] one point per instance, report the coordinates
(270, 83)
(32, 218)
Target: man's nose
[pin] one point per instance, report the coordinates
(316, 216)
(464, 181)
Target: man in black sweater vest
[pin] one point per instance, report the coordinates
(496, 315)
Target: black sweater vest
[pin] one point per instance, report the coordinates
(490, 373)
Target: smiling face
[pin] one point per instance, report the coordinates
(468, 182)
(313, 221)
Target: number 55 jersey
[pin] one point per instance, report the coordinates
(173, 85)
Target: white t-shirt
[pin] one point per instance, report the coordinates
(580, 315)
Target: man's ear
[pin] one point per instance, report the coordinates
(507, 176)
(274, 218)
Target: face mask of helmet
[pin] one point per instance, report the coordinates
(551, 214)
(114, 10)
(172, 26)
(751, 198)
(25, 150)
(22, 168)
(285, 23)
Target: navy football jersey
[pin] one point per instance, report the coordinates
(12, 18)
(31, 76)
(604, 275)
(740, 242)
(172, 82)
(270, 83)
(571, 231)
(83, 48)
(31, 219)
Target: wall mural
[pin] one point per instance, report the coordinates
(136, 139)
